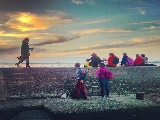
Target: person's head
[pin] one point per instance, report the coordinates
(25, 41)
(101, 64)
(87, 59)
(110, 54)
(124, 54)
(93, 54)
(142, 55)
(77, 65)
(137, 55)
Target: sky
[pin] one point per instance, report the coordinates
(69, 31)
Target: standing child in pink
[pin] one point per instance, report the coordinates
(104, 83)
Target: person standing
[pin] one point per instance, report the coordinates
(24, 53)
(80, 85)
(103, 81)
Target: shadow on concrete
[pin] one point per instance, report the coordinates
(40, 112)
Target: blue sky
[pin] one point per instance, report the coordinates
(71, 30)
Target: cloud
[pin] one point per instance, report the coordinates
(145, 41)
(121, 44)
(80, 2)
(26, 21)
(27, 5)
(95, 22)
(8, 50)
(94, 31)
(139, 9)
(151, 28)
(143, 12)
(58, 39)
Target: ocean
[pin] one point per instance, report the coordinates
(11, 65)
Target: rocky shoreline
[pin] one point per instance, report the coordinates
(19, 96)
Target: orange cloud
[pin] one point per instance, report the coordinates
(25, 21)
(138, 40)
(94, 31)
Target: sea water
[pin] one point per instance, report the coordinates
(11, 65)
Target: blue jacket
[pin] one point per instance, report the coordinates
(79, 73)
(124, 60)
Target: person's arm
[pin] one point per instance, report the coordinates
(79, 71)
(31, 49)
(97, 71)
(122, 62)
(110, 61)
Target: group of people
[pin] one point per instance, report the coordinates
(103, 81)
(95, 61)
(140, 60)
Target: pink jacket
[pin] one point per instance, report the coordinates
(101, 72)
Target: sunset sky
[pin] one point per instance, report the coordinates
(71, 30)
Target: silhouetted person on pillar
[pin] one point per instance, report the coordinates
(24, 53)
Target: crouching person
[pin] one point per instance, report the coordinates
(80, 85)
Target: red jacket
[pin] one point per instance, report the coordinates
(110, 59)
(138, 60)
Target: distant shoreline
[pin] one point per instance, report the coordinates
(50, 65)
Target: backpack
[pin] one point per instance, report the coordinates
(115, 60)
(84, 76)
(130, 61)
(109, 75)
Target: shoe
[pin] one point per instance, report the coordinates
(102, 96)
(77, 98)
(85, 98)
(108, 97)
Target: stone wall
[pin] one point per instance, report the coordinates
(52, 82)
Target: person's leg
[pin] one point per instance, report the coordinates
(78, 89)
(20, 61)
(83, 89)
(107, 88)
(102, 85)
(27, 62)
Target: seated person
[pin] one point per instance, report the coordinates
(124, 59)
(145, 59)
(95, 60)
(87, 64)
(110, 60)
(138, 60)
